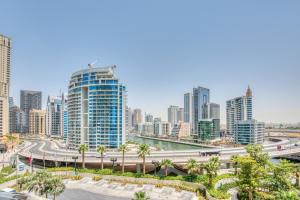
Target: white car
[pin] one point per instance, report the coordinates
(10, 190)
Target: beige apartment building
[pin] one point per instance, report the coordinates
(37, 122)
(181, 130)
(5, 48)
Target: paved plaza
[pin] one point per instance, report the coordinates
(105, 190)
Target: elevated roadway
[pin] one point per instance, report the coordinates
(52, 151)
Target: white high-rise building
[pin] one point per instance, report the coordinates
(96, 109)
(238, 109)
(55, 115)
(5, 50)
(240, 124)
(173, 115)
(162, 129)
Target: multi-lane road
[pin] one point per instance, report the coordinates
(55, 151)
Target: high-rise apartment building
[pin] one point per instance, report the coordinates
(96, 109)
(16, 120)
(173, 115)
(180, 115)
(147, 129)
(37, 122)
(211, 111)
(128, 119)
(201, 96)
(162, 129)
(55, 115)
(11, 102)
(238, 109)
(66, 119)
(240, 123)
(188, 104)
(249, 132)
(180, 130)
(137, 117)
(5, 50)
(30, 100)
(148, 118)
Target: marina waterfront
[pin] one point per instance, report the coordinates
(165, 145)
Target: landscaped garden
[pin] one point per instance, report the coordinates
(254, 176)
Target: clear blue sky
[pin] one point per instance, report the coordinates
(163, 49)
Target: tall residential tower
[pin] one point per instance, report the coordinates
(240, 123)
(30, 100)
(55, 115)
(187, 108)
(96, 109)
(201, 96)
(5, 49)
(238, 109)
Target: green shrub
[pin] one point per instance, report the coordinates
(218, 194)
(104, 172)
(76, 178)
(97, 178)
(149, 176)
(5, 171)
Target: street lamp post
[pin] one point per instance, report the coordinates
(113, 160)
(75, 167)
(17, 164)
(44, 162)
(156, 164)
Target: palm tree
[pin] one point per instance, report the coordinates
(297, 174)
(143, 150)
(56, 186)
(211, 168)
(82, 149)
(38, 181)
(11, 139)
(101, 149)
(235, 163)
(165, 164)
(21, 181)
(123, 148)
(140, 196)
(192, 166)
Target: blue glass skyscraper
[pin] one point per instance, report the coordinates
(201, 96)
(96, 109)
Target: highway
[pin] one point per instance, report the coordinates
(54, 151)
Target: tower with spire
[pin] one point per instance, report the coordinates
(248, 100)
(240, 123)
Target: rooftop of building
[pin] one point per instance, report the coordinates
(1, 35)
(90, 69)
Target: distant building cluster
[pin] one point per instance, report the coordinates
(199, 120)
(95, 112)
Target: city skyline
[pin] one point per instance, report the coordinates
(257, 51)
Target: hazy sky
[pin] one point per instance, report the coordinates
(163, 48)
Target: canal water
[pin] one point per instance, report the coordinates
(164, 145)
